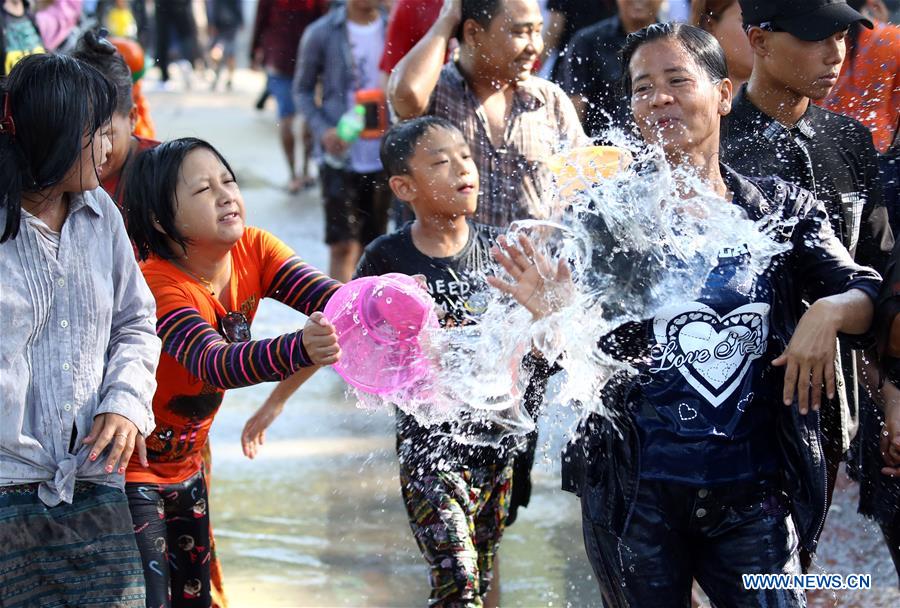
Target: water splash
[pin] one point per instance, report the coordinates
(640, 240)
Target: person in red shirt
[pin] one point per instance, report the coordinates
(409, 22)
(274, 45)
(208, 274)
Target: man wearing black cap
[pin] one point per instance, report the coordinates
(774, 129)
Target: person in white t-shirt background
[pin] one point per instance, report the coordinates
(340, 52)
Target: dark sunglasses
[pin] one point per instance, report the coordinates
(235, 327)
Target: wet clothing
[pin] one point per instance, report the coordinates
(277, 31)
(868, 88)
(171, 525)
(514, 176)
(457, 496)
(879, 495)
(457, 518)
(831, 156)
(704, 417)
(742, 528)
(825, 153)
(78, 340)
(457, 284)
(603, 464)
(591, 69)
(198, 364)
(46, 561)
(356, 205)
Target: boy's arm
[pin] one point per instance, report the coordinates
(414, 78)
(254, 433)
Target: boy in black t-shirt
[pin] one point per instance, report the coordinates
(457, 496)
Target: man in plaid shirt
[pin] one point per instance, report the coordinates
(512, 120)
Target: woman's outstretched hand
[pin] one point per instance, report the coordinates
(536, 285)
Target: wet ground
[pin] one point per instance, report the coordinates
(317, 519)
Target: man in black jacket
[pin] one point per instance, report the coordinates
(775, 129)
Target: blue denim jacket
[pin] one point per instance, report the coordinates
(324, 57)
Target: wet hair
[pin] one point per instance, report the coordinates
(54, 102)
(96, 50)
(399, 144)
(704, 13)
(481, 11)
(699, 44)
(151, 182)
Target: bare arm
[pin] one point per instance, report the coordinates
(413, 80)
(254, 434)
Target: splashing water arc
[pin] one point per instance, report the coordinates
(634, 242)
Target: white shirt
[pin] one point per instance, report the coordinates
(366, 46)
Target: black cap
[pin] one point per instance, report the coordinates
(806, 19)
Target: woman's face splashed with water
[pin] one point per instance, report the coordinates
(675, 102)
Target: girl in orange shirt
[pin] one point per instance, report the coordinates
(208, 273)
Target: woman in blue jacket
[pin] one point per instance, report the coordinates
(713, 467)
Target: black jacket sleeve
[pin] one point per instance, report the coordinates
(876, 240)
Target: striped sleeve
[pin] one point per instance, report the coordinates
(301, 286)
(194, 343)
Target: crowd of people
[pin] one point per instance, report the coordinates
(130, 280)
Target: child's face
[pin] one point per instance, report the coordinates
(209, 209)
(122, 127)
(95, 149)
(443, 175)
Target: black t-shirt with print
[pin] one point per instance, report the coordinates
(458, 285)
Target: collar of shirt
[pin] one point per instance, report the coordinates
(745, 193)
(526, 91)
(79, 201)
(770, 128)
